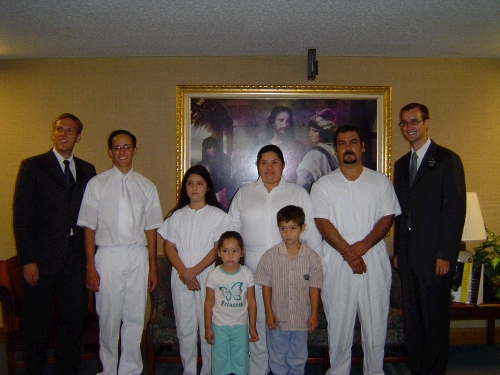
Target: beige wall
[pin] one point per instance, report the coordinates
(138, 94)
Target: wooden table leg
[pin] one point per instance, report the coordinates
(491, 332)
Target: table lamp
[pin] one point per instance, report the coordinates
(473, 227)
(466, 285)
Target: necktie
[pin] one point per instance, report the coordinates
(413, 172)
(69, 176)
(126, 214)
(413, 167)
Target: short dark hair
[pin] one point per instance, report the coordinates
(70, 116)
(230, 234)
(291, 213)
(118, 132)
(423, 109)
(345, 129)
(270, 148)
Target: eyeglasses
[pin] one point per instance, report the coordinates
(125, 147)
(413, 122)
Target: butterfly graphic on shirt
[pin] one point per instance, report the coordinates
(234, 291)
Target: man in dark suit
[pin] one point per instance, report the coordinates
(430, 185)
(49, 191)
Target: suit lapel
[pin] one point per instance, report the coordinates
(405, 163)
(431, 152)
(80, 172)
(55, 168)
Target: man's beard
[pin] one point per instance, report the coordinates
(286, 134)
(349, 161)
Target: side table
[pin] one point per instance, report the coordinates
(489, 311)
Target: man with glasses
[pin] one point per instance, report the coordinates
(120, 214)
(430, 185)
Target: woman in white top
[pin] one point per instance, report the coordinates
(253, 214)
(191, 231)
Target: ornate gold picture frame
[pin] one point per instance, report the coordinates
(237, 119)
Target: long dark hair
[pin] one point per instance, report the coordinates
(183, 196)
(275, 112)
(270, 128)
(205, 145)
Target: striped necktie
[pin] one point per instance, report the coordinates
(413, 172)
(413, 167)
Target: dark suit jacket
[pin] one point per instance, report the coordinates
(437, 202)
(45, 210)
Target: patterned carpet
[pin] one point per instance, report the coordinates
(464, 360)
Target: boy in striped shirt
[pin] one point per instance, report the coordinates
(291, 276)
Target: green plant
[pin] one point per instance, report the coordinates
(488, 253)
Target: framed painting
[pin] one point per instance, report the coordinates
(223, 127)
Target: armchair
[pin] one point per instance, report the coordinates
(11, 301)
(160, 328)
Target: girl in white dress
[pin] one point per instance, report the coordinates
(191, 231)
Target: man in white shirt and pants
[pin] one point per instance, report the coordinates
(120, 213)
(354, 208)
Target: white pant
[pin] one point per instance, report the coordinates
(259, 358)
(189, 320)
(345, 294)
(121, 299)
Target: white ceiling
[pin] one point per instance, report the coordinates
(100, 28)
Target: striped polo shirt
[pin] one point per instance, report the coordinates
(290, 280)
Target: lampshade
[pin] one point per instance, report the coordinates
(474, 224)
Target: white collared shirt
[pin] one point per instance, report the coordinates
(421, 152)
(61, 160)
(354, 207)
(99, 210)
(194, 232)
(253, 214)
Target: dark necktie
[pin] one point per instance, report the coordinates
(69, 176)
(413, 167)
(413, 172)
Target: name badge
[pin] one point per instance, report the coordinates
(432, 164)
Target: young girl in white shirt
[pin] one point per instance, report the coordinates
(191, 232)
(230, 309)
